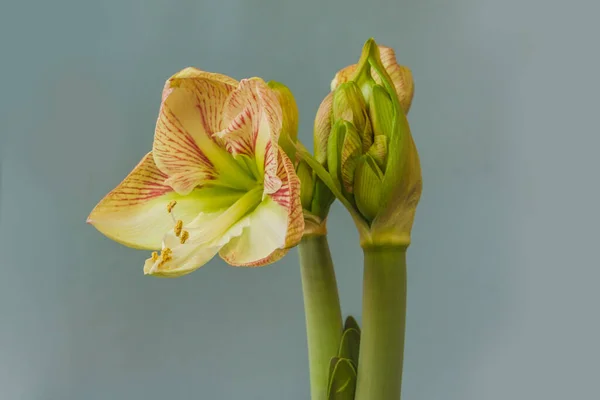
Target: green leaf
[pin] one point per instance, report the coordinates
(351, 323)
(342, 381)
(349, 345)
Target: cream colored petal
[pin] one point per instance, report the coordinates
(183, 260)
(181, 79)
(135, 213)
(276, 225)
(288, 196)
(190, 114)
(264, 234)
(204, 236)
(254, 120)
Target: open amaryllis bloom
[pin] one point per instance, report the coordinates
(216, 180)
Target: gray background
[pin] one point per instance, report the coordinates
(503, 298)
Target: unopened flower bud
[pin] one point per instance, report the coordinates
(368, 181)
(363, 139)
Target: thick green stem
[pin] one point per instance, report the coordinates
(384, 316)
(322, 309)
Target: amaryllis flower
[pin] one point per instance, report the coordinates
(216, 180)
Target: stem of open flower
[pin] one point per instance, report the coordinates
(384, 315)
(322, 308)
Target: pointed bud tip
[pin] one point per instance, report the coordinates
(370, 51)
(370, 44)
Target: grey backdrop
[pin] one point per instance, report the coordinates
(503, 298)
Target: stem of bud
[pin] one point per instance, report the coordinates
(384, 315)
(324, 324)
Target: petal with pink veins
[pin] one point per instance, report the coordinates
(135, 212)
(276, 225)
(184, 149)
(253, 121)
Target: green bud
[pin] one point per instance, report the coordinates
(367, 187)
(350, 153)
(307, 184)
(379, 151)
(364, 150)
(381, 112)
(334, 147)
(363, 75)
(342, 379)
(343, 149)
(367, 136)
(349, 105)
(289, 129)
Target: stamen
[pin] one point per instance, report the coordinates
(165, 256)
(171, 204)
(184, 236)
(178, 227)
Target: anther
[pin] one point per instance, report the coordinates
(178, 227)
(171, 204)
(154, 256)
(165, 256)
(184, 236)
